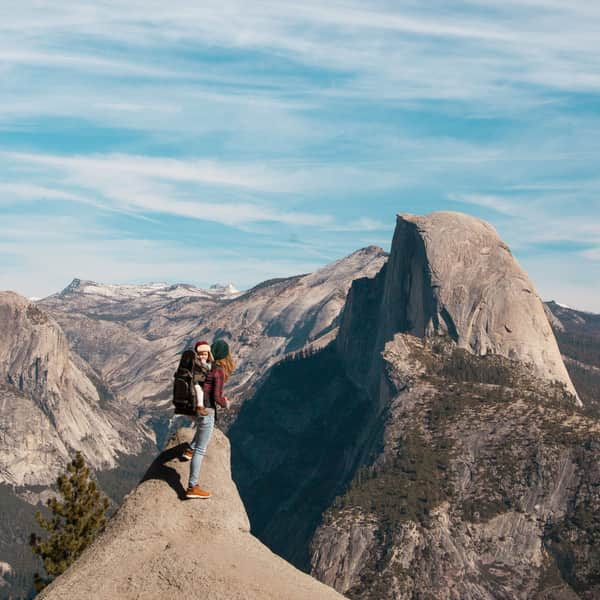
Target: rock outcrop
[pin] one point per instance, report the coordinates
(450, 274)
(159, 546)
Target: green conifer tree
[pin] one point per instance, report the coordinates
(77, 518)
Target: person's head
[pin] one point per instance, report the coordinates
(203, 352)
(220, 350)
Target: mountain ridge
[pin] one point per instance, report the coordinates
(261, 325)
(130, 290)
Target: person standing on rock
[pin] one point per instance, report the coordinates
(222, 368)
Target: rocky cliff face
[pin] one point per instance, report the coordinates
(472, 482)
(450, 274)
(51, 404)
(51, 401)
(301, 438)
(471, 474)
(486, 487)
(481, 462)
(160, 546)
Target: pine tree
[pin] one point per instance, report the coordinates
(77, 518)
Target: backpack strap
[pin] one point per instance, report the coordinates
(193, 370)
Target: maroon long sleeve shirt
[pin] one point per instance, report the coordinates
(213, 388)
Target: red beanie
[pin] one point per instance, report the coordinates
(202, 343)
(204, 346)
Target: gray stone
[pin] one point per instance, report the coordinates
(450, 274)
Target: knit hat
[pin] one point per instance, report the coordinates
(220, 349)
(202, 346)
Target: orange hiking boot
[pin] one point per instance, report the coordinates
(188, 454)
(196, 492)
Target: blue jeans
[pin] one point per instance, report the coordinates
(204, 429)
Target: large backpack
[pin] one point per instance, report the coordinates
(184, 394)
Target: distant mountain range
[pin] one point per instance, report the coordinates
(146, 292)
(578, 335)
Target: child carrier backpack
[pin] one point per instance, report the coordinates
(184, 394)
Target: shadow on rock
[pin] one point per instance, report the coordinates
(159, 469)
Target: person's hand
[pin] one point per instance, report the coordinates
(227, 402)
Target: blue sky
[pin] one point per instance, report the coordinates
(230, 141)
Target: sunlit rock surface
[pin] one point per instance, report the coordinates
(160, 545)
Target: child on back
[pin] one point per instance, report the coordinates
(202, 366)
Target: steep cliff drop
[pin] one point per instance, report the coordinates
(159, 546)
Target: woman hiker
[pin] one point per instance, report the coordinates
(222, 368)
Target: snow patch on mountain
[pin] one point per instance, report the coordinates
(151, 290)
(563, 305)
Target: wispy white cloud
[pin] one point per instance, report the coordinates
(389, 51)
(497, 204)
(255, 177)
(529, 219)
(9, 192)
(153, 186)
(363, 224)
(234, 194)
(80, 61)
